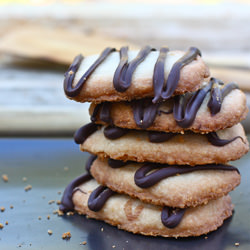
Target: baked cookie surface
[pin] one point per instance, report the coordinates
(187, 149)
(181, 190)
(138, 217)
(98, 86)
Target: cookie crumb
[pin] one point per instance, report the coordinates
(102, 229)
(11, 207)
(237, 244)
(83, 243)
(39, 217)
(48, 217)
(113, 246)
(1, 226)
(24, 179)
(51, 202)
(50, 232)
(59, 192)
(206, 237)
(59, 212)
(5, 177)
(58, 202)
(2, 209)
(66, 236)
(70, 213)
(27, 188)
(6, 223)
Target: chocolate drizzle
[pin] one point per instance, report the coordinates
(218, 93)
(214, 139)
(186, 108)
(117, 164)
(70, 74)
(66, 201)
(90, 162)
(157, 137)
(144, 112)
(123, 74)
(84, 132)
(168, 89)
(171, 217)
(112, 132)
(98, 197)
(159, 74)
(163, 171)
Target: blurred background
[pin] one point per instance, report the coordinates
(40, 38)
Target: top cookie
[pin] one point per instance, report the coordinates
(127, 75)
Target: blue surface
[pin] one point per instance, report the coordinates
(43, 162)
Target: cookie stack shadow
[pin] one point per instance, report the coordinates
(160, 137)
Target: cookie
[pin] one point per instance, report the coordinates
(187, 149)
(214, 107)
(137, 217)
(172, 186)
(127, 75)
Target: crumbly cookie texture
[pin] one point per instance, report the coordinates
(138, 217)
(233, 110)
(185, 190)
(187, 149)
(99, 86)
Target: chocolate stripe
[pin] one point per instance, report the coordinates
(112, 132)
(143, 180)
(159, 74)
(186, 111)
(70, 74)
(214, 139)
(66, 201)
(89, 162)
(98, 197)
(84, 132)
(171, 217)
(218, 93)
(158, 137)
(144, 112)
(174, 75)
(117, 164)
(123, 74)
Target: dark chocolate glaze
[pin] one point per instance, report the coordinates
(112, 132)
(104, 112)
(218, 93)
(98, 197)
(123, 74)
(66, 201)
(185, 109)
(174, 75)
(155, 136)
(90, 162)
(70, 74)
(171, 217)
(159, 74)
(144, 112)
(84, 132)
(117, 164)
(164, 171)
(214, 139)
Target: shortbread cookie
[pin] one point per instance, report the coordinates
(135, 216)
(187, 149)
(126, 75)
(216, 106)
(170, 186)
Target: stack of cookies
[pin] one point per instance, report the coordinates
(161, 134)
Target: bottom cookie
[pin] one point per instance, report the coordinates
(142, 218)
